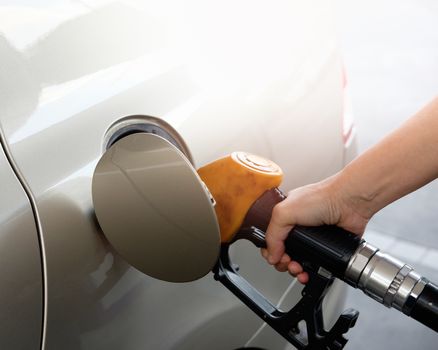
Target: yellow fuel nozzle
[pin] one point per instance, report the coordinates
(236, 182)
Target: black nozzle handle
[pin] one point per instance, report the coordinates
(425, 309)
(329, 246)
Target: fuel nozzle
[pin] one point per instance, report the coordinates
(246, 190)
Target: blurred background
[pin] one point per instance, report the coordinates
(390, 49)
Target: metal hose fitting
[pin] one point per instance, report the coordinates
(384, 278)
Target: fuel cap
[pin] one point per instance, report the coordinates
(155, 210)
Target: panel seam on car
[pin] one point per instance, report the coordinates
(26, 188)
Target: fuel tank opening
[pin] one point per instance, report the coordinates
(145, 124)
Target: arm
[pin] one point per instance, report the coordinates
(402, 162)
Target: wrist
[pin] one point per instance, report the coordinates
(351, 196)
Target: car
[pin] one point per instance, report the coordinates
(210, 77)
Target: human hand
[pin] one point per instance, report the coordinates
(323, 203)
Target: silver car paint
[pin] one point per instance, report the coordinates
(72, 69)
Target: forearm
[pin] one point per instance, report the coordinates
(401, 163)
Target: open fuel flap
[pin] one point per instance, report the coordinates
(155, 210)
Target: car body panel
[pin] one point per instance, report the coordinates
(73, 69)
(21, 275)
